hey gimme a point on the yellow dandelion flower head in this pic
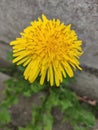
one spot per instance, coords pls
(49, 49)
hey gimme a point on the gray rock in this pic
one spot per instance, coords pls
(86, 84)
(21, 113)
(4, 49)
(83, 15)
(96, 126)
(16, 15)
(3, 78)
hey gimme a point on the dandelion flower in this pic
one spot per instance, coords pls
(49, 49)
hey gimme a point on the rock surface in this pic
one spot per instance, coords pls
(86, 84)
(14, 16)
(21, 113)
(96, 126)
(3, 78)
(4, 49)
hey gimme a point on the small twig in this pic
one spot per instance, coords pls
(86, 100)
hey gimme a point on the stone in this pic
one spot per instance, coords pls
(83, 15)
(4, 49)
(85, 84)
(96, 126)
(3, 78)
(21, 113)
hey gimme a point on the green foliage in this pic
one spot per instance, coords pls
(4, 116)
(42, 118)
(9, 56)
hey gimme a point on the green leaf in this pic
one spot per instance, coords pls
(48, 121)
(27, 93)
(21, 68)
(9, 56)
(87, 118)
(36, 87)
(4, 116)
(65, 81)
(35, 114)
(65, 104)
(26, 128)
(7, 102)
